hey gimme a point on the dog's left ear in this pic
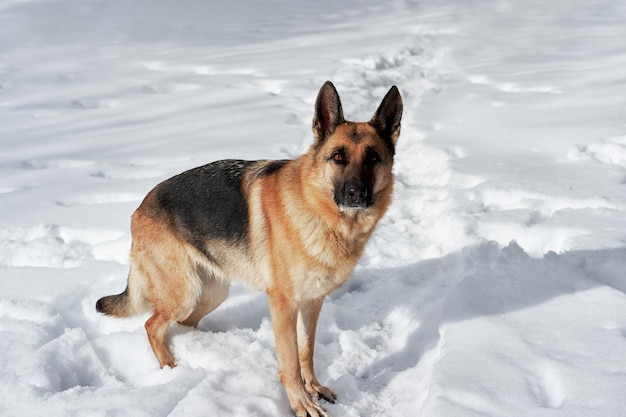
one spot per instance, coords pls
(387, 118)
(328, 112)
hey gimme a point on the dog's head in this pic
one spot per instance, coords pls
(354, 160)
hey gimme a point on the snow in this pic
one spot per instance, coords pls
(494, 286)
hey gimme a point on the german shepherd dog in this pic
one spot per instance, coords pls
(294, 228)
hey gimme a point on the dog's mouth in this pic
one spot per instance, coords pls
(351, 210)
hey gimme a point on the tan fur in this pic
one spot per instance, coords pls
(301, 247)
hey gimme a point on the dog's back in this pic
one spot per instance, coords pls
(203, 204)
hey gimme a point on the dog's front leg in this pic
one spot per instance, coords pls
(307, 324)
(284, 312)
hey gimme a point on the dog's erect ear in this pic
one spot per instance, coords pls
(328, 112)
(387, 118)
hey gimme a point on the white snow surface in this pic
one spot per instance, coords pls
(494, 286)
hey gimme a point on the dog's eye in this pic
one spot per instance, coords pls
(338, 157)
(372, 158)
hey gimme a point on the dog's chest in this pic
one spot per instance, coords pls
(316, 283)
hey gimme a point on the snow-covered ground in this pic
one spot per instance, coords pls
(495, 286)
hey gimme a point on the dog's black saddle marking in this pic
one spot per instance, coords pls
(207, 203)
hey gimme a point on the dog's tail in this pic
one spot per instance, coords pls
(129, 303)
(116, 305)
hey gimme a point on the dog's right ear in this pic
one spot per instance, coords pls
(328, 113)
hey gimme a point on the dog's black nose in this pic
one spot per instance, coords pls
(356, 194)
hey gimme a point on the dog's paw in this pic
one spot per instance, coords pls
(167, 360)
(310, 409)
(304, 406)
(320, 391)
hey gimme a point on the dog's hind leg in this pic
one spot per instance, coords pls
(156, 327)
(214, 292)
(170, 303)
(172, 285)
